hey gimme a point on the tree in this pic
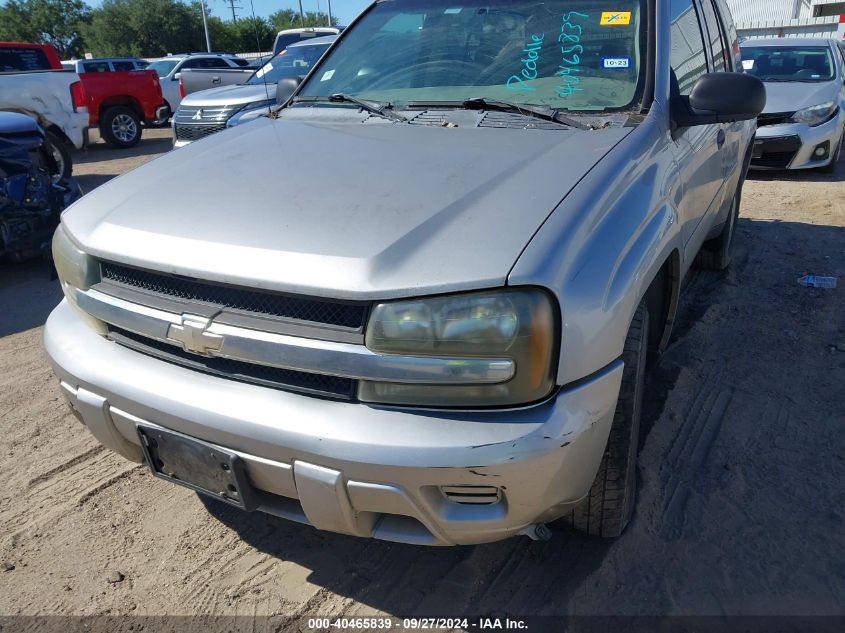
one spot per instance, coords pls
(289, 19)
(144, 28)
(56, 22)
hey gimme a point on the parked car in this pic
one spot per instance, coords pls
(33, 82)
(30, 200)
(193, 80)
(209, 111)
(169, 69)
(118, 101)
(417, 304)
(803, 125)
(105, 64)
(291, 36)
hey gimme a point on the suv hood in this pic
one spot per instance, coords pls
(231, 95)
(358, 211)
(791, 96)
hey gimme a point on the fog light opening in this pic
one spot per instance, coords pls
(822, 151)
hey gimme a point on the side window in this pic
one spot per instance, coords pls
(688, 59)
(191, 63)
(239, 62)
(95, 67)
(718, 55)
(213, 62)
(123, 66)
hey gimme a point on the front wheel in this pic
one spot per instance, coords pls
(609, 506)
(120, 127)
(61, 156)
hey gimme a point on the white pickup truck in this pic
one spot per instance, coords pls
(54, 98)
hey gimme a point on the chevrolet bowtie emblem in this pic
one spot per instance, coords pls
(192, 334)
(197, 116)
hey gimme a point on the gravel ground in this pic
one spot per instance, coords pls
(741, 471)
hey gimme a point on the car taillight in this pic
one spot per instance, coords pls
(181, 89)
(77, 96)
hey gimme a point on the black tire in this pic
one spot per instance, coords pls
(58, 150)
(120, 127)
(609, 506)
(831, 168)
(165, 122)
(716, 254)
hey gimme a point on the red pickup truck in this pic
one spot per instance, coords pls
(119, 101)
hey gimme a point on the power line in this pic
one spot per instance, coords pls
(232, 6)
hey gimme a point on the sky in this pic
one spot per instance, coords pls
(345, 10)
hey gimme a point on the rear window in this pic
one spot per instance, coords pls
(23, 59)
(96, 67)
(285, 40)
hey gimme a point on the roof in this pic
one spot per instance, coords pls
(314, 41)
(789, 41)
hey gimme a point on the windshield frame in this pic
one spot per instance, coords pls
(641, 103)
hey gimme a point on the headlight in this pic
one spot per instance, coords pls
(249, 112)
(74, 267)
(816, 115)
(518, 324)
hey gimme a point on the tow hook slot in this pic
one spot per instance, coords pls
(537, 532)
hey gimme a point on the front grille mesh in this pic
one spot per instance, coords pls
(289, 380)
(347, 315)
(775, 118)
(196, 132)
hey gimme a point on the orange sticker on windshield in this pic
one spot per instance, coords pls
(615, 18)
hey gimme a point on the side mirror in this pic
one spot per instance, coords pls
(285, 88)
(177, 77)
(720, 98)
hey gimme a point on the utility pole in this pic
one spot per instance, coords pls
(233, 7)
(205, 26)
(301, 15)
(330, 12)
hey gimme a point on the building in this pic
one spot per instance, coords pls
(789, 18)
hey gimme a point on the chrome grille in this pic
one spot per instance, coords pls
(187, 115)
(289, 380)
(347, 315)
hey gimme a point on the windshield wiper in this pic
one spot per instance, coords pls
(498, 105)
(380, 108)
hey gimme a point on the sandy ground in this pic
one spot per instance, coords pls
(741, 471)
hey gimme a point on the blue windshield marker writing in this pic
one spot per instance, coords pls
(529, 65)
(571, 51)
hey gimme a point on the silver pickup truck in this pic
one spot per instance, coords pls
(418, 303)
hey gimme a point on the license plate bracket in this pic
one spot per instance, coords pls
(197, 465)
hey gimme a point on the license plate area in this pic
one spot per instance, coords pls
(197, 465)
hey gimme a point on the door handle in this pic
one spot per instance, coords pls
(215, 80)
(721, 138)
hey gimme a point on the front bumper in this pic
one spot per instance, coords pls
(792, 145)
(348, 467)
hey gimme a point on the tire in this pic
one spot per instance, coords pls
(120, 127)
(608, 508)
(58, 149)
(716, 254)
(831, 168)
(165, 122)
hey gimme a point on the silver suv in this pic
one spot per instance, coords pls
(417, 303)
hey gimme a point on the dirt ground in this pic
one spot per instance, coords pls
(741, 499)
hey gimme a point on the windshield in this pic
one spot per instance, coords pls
(565, 54)
(789, 63)
(295, 61)
(163, 67)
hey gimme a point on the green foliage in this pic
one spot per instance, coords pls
(142, 28)
(290, 19)
(56, 22)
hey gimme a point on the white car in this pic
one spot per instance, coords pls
(168, 69)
